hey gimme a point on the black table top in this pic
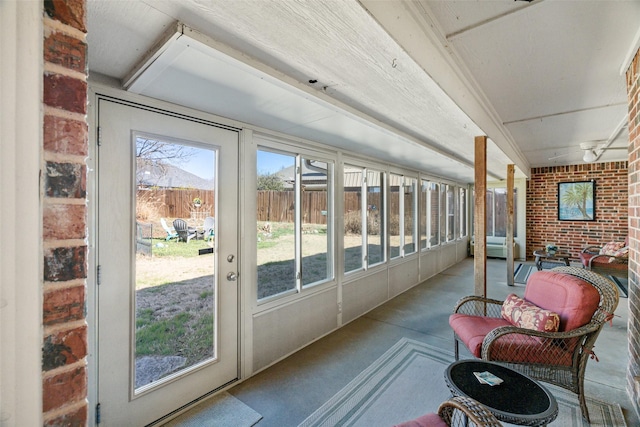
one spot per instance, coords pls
(519, 399)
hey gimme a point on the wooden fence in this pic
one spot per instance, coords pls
(273, 206)
(178, 203)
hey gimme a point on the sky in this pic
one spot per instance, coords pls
(269, 163)
(201, 162)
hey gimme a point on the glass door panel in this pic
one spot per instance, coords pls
(174, 263)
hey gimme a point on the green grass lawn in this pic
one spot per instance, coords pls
(188, 331)
(163, 248)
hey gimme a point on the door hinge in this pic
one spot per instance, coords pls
(98, 413)
(99, 275)
(99, 136)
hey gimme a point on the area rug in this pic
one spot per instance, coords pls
(221, 410)
(522, 273)
(408, 381)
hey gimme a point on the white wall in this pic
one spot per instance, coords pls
(21, 72)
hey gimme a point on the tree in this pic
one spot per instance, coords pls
(153, 156)
(270, 181)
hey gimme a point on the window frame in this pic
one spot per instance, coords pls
(299, 153)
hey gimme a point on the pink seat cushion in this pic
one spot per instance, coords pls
(603, 262)
(585, 257)
(472, 329)
(429, 420)
(572, 298)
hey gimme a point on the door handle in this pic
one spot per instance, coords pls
(232, 276)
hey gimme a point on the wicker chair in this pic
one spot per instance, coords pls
(558, 358)
(456, 412)
(607, 265)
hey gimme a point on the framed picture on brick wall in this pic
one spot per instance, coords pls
(577, 201)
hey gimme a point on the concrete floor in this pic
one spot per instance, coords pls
(288, 392)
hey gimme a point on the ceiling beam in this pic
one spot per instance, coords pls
(414, 28)
(562, 113)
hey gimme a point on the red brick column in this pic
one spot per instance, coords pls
(633, 89)
(64, 377)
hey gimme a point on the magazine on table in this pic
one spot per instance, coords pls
(487, 378)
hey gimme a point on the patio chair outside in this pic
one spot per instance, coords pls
(171, 233)
(209, 223)
(185, 233)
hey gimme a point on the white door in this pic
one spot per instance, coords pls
(167, 298)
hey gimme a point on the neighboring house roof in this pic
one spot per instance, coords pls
(314, 179)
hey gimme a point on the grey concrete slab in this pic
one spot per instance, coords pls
(286, 393)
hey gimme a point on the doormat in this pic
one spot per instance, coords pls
(522, 273)
(408, 381)
(221, 410)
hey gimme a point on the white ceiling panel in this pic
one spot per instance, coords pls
(392, 76)
(182, 75)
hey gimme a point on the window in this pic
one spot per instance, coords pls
(490, 213)
(395, 214)
(375, 217)
(410, 215)
(434, 214)
(364, 218)
(463, 212)
(403, 215)
(293, 222)
(424, 213)
(451, 212)
(353, 240)
(316, 245)
(497, 212)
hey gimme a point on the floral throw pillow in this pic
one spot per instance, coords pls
(621, 253)
(523, 314)
(611, 248)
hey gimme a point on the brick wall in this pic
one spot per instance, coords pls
(633, 89)
(64, 376)
(611, 205)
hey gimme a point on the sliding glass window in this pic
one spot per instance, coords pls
(410, 215)
(396, 184)
(490, 212)
(451, 212)
(316, 247)
(463, 211)
(497, 212)
(294, 220)
(424, 214)
(375, 218)
(352, 200)
(364, 218)
(433, 210)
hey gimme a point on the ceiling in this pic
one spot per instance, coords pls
(409, 81)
